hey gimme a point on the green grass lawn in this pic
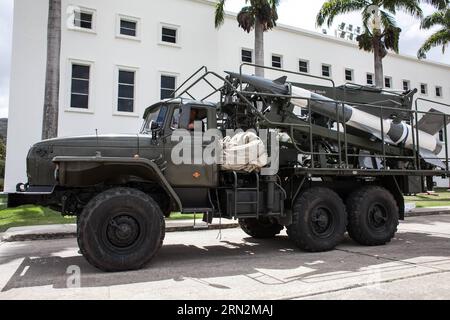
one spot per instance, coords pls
(440, 198)
(29, 216)
(179, 216)
(34, 215)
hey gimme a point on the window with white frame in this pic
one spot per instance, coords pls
(303, 66)
(83, 18)
(424, 88)
(80, 85)
(438, 90)
(169, 34)
(326, 70)
(126, 90)
(277, 61)
(387, 82)
(369, 78)
(168, 86)
(247, 55)
(406, 85)
(349, 75)
(128, 27)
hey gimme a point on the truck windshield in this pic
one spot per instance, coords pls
(157, 116)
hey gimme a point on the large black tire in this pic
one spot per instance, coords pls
(319, 220)
(262, 228)
(373, 216)
(120, 229)
(164, 204)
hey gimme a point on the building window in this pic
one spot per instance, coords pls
(168, 86)
(438, 92)
(277, 61)
(370, 79)
(169, 35)
(387, 82)
(304, 66)
(128, 27)
(79, 93)
(406, 85)
(247, 55)
(126, 92)
(83, 18)
(326, 70)
(424, 88)
(348, 75)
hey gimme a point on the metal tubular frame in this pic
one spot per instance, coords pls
(344, 167)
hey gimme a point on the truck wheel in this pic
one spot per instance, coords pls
(120, 229)
(262, 228)
(373, 216)
(319, 220)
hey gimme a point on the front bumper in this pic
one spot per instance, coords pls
(37, 195)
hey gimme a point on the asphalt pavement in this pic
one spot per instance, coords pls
(227, 264)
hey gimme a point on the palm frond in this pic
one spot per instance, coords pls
(439, 38)
(246, 18)
(387, 20)
(392, 38)
(365, 40)
(439, 4)
(219, 14)
(274, 3)
(411, 7)
(333, 8)
(266, 12)
(437, 18)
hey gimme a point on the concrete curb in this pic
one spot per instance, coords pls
(427, 213)
(183, 227)
(65, 235)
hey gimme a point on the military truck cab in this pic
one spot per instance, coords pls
(192, 178)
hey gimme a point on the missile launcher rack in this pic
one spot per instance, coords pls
(348, 151)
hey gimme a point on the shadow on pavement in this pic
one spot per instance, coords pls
(252, 258)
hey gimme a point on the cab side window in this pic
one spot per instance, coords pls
(185, 118)
(198, 114)
(175, 123)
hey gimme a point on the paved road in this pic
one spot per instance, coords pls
(196, 265)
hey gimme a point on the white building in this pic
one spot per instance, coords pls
(142, 49)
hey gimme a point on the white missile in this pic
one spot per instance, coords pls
(393, 133)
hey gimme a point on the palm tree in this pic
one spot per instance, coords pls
(380, 29)
(260, 15)
(439, 4)
(439, 38)
(51, 97)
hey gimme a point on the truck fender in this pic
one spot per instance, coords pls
(88, 171)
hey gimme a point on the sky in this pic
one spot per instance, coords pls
(298, 13)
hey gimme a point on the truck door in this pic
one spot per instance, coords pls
(191, 174)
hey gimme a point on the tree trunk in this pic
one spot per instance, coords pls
(51, 98)
(378, 63)
(377, 47)
(259, 48)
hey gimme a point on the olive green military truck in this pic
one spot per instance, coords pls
(342, 160)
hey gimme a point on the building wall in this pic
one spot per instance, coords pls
(200, 44)
(26, 99)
